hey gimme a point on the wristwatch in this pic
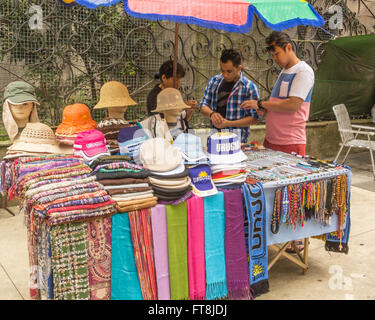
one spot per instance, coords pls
(260, 107)
(212, 113)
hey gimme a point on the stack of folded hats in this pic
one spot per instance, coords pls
(90, 145)
(126, 182)
(130, 140)
(76, 118)
(36, 139)
(191, 149)
(168, 176)
(226, 158)
(111, 127)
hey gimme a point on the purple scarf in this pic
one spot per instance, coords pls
(235, 247)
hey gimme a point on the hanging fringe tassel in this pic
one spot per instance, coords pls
(217, 290)
(240, 291)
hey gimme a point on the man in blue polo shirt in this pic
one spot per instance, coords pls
(225, 93)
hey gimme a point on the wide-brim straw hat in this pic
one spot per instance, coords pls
(114, 94)
(38, 137)
(170, 99)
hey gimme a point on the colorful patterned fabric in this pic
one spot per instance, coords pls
(177, 251)
(124, 276)
(99, 233)
(255, 209)
(160, 243)
(235, 247)
(70, 261)
(196, 258)
(141, 232)
(214, 234)
(45, 279)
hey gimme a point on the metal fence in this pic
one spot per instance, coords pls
(69, 53)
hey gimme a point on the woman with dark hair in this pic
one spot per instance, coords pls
(165, 75)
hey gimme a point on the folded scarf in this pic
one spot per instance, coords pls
(108, 159)
(62, 184)
(70, 261)
(97, 202)
(136, 201)
(196, 258)
(177, 251)
(134, 207)
(66, 194)
(119, 175)
(214, 233)
(140, 227)
(79, 215)
(235, 247)
(160, 242)
(255, 205)
(80, 207)
(124, 276)
(124, 181)
(99, 253)
(118, 165)
(113, 192)
(131, 196)
(44, 275)
(92, 195)
(126, 186)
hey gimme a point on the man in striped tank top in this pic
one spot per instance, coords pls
(288, 108)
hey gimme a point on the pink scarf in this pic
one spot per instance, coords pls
(196, 253)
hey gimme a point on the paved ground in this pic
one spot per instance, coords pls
(331, 276)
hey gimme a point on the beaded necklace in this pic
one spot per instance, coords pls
(277, 207)
(341, 204)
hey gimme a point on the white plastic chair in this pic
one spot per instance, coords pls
(349, 133)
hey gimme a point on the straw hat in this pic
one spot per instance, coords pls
(114, 94)
(76, 118)
(170, 99)
(38, 137)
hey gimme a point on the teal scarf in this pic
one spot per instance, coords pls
(124, 276)
(214, 234)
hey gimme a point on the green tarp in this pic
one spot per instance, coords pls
(345, 75)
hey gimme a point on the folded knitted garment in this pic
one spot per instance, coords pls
(136, 201)
(108, 159)
(176, 191)
(123, 181)
(141, 174)
(113, 192)
(144, 205)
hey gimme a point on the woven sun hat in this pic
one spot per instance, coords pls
(114, 94)
(76, 118)
(225, 148)
(170, 99)
(159, 155)
(38, 137)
